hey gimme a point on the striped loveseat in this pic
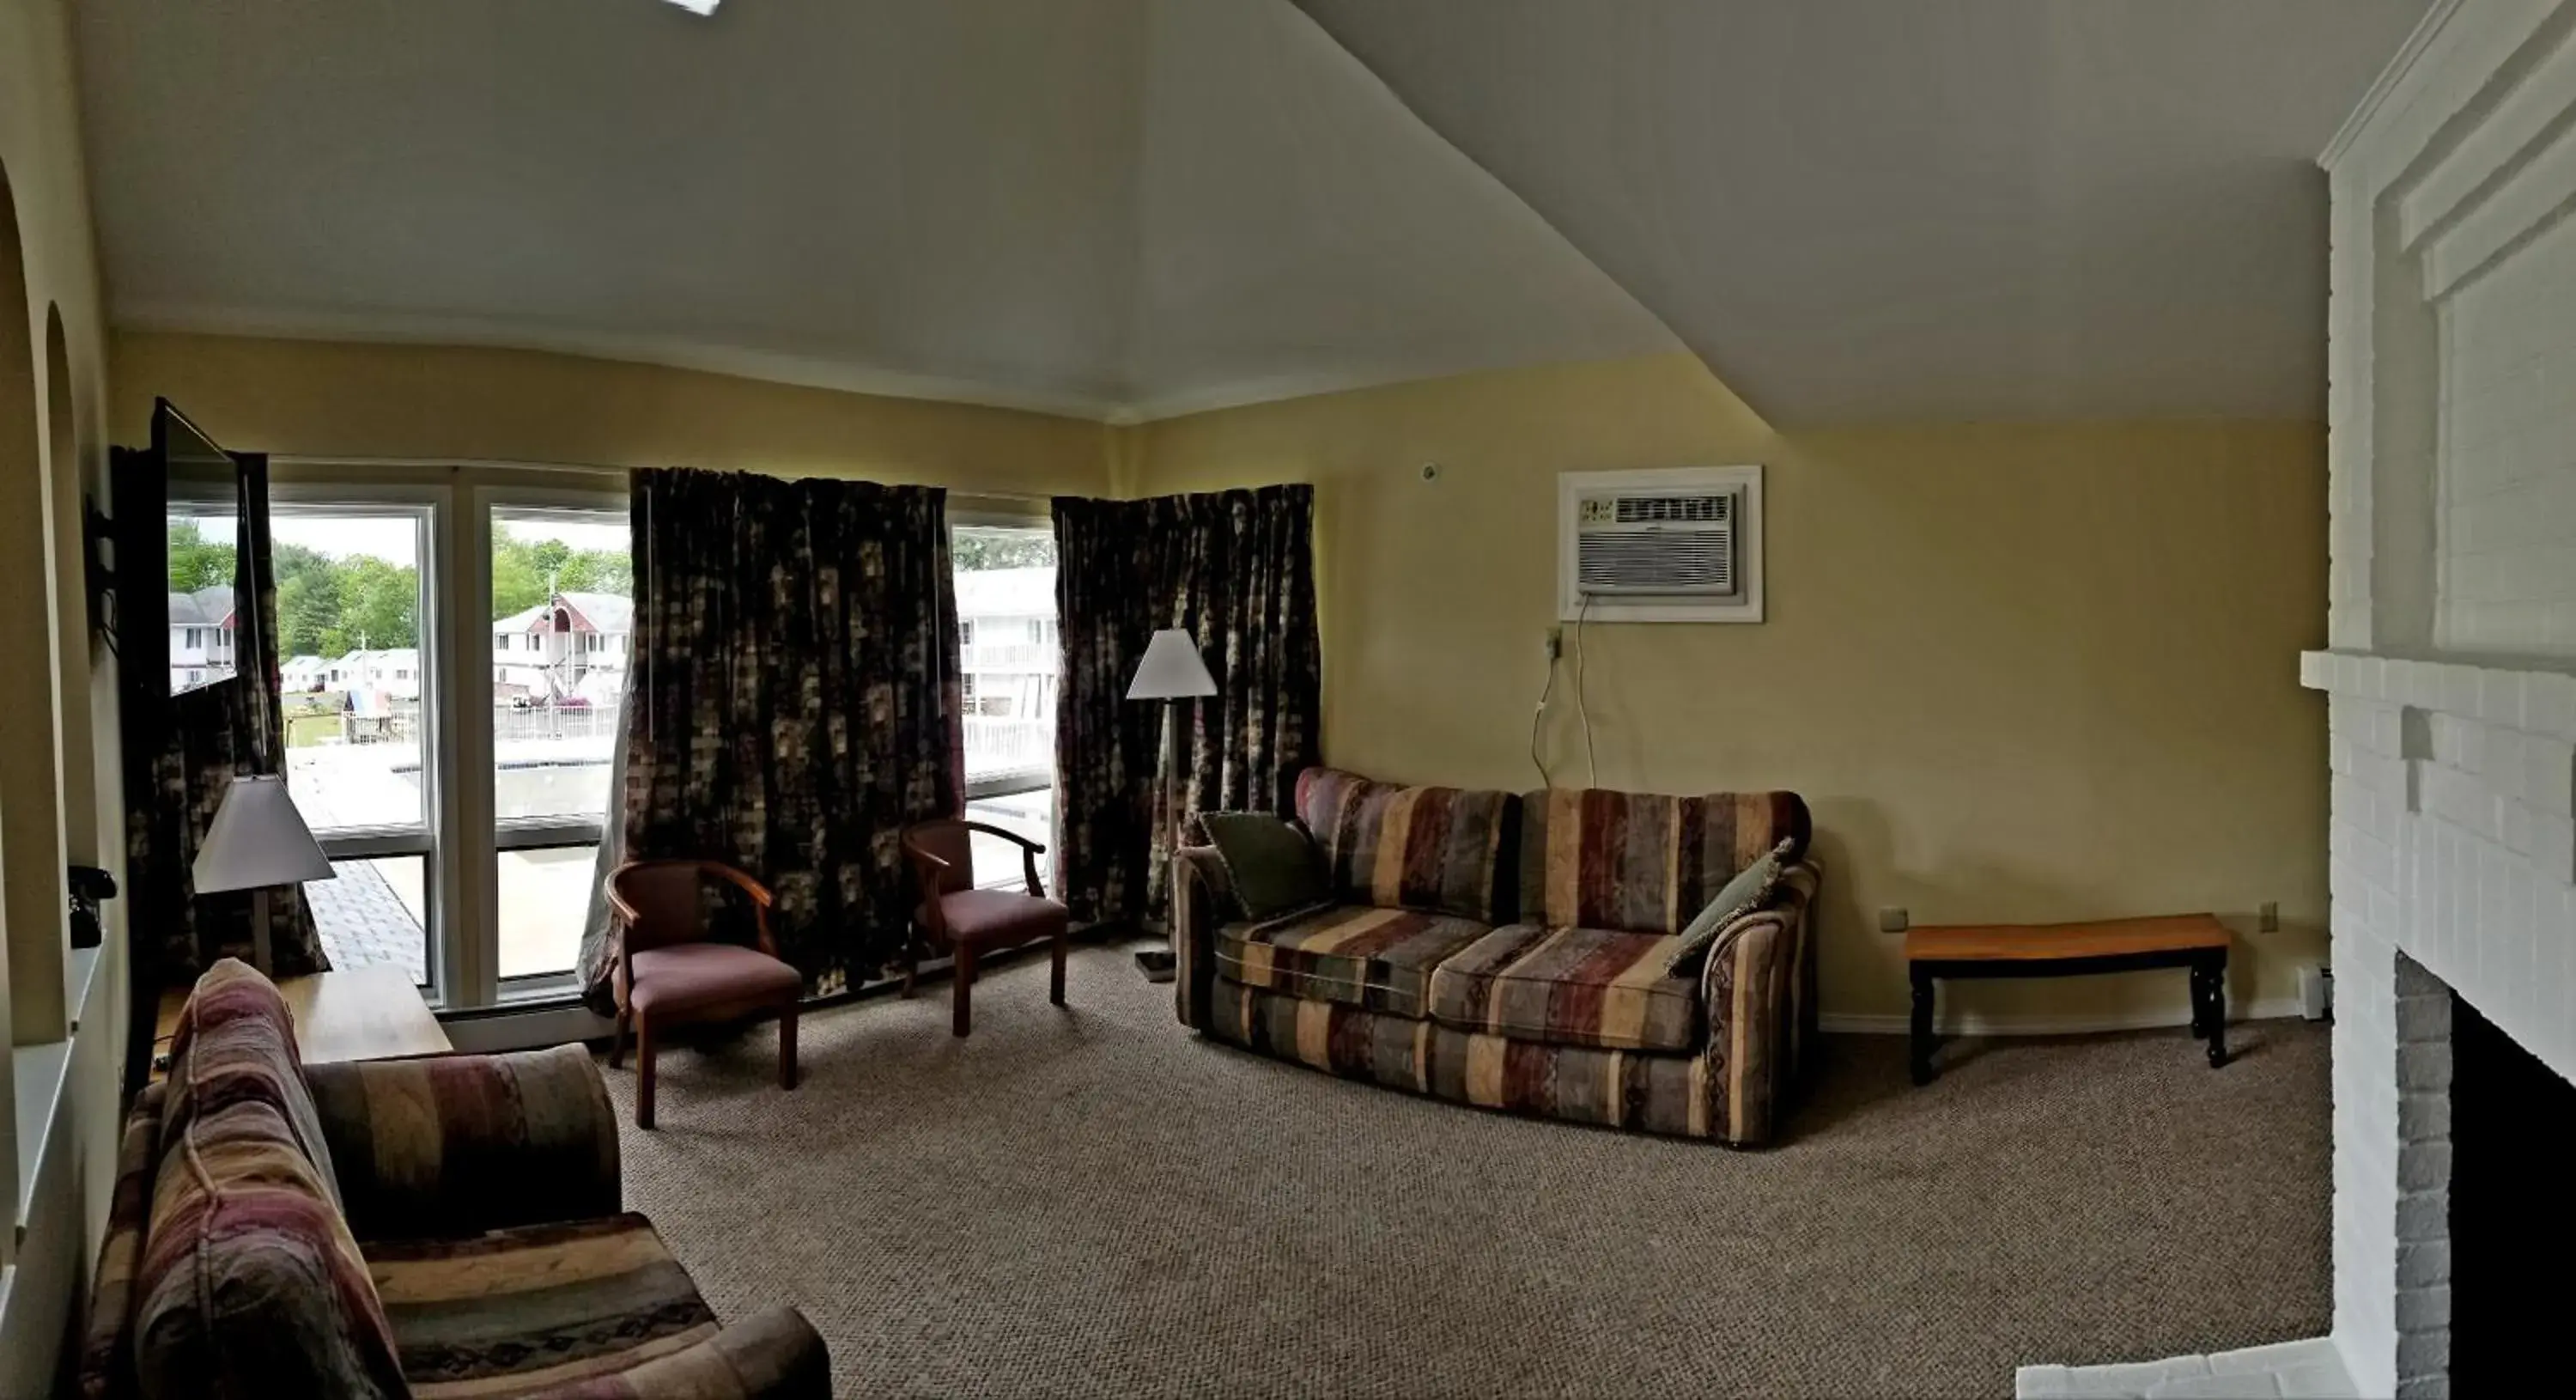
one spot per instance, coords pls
(1519, 952)
(444, 1226)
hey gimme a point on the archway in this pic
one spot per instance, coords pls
(32, 889)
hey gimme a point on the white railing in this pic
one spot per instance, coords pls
(996, 745)
(588, 722)
(1022, 658)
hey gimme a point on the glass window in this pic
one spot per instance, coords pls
(562, 581)
(1006, 595)
(375, 912)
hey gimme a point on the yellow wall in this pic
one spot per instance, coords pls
(2019, 672)
(322, 398)
(66, 789)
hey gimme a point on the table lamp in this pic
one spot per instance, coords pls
(1171, 671)
(258, 842)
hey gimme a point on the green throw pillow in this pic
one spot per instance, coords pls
(1271, 862)
(1751, 889)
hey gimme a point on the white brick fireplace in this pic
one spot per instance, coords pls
(2451, 661)
(2452, 632)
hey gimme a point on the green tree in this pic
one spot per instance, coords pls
(517, 583)
(379, 602)
(195, 561)
(975, 550)
(308, 614)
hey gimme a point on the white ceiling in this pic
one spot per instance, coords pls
(1852, 209)
(1926, 209)
(1111, 208)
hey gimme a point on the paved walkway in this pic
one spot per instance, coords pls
(363, 922)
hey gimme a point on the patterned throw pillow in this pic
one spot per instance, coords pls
(1751, 889)
(1271, 862)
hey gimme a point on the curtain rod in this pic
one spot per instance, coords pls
(341, 459)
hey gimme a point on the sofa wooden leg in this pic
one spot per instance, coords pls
(643, 1072)
(787, 1047)
(962, 1017)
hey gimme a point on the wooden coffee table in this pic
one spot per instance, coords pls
(2195, 942)
(365, 1013)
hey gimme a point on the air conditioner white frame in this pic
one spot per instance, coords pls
(1571, 487)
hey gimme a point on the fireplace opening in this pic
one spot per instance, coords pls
(2512, 1218)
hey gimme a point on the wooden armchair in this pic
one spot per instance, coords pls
(669, 971)
(966, 922)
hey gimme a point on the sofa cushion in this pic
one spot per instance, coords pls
(521, 1310)
(1754, 887)
(1272, 863)
(1570, 986)
(249, 1283)
(1643, 862)
(1355, 953)
(1436, 850)
(235, 1043)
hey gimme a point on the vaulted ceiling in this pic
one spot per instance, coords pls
(1129, 208)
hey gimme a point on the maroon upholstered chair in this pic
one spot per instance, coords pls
(966, 922)
(669, 971)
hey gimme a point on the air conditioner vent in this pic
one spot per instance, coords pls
(1661, 546)
(1633, 510)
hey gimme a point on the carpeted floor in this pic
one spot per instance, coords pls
(1093, 1202)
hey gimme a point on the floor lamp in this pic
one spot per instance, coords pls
(1171, 672)
(258, 842)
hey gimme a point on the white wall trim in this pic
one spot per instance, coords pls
(2387, 81)
(1849, 1023)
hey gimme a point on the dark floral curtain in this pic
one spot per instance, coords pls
(1234, 568)
(183, 750)
(795, 698)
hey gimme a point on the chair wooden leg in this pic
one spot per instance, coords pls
(787, 1046)
(643, 1072)
(962, 1016)
(1055, 955)
(911, 966)
(617, 1047)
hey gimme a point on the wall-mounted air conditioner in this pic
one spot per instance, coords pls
(1660, 546)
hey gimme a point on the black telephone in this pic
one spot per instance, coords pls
(89, 885)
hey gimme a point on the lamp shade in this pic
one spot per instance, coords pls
(1171, 669)
(258, 840)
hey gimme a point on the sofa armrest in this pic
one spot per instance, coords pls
(1204, 892)
(774, 1354)
(449, 1145)
(1759, 990)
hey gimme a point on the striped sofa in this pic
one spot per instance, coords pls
(1519, 952)
(444, 1226)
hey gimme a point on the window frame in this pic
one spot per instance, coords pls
(442, 935)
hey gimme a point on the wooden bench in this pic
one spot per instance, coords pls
(2197, 942)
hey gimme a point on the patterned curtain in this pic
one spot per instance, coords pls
(182, 751)
(796, 697)
(1234, 568)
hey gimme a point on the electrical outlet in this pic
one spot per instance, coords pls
(1555, 643)
(1894, 921)
(2268, 918)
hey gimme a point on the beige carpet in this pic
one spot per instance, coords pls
(1093, 1202)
